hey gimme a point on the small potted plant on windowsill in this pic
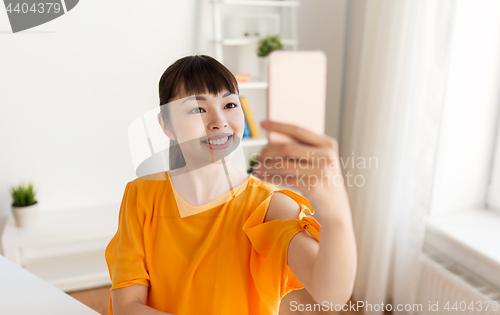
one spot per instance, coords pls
(25, 205)
(265, 46)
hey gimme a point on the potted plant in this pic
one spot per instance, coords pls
(265, 46)
(25, 205)
(252, 162)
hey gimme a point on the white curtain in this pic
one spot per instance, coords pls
(395, 79)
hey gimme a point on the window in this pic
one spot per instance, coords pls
(464, 218)
(493, 197)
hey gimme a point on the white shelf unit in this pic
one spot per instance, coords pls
(264, 3)
(217, 16)
(249, 41)
(239, 53)
(253, 142)
(248, 143)
(65, 247)
(252, 85)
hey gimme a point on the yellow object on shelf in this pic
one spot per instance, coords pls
(252, 125)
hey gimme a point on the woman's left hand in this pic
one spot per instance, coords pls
(312, 165)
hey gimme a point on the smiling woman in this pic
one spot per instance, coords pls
(214, 121)
(191, 79)
(207, 238)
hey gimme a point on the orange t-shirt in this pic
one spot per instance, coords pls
(223, 260)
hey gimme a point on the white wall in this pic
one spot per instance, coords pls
(70, 88)
(322, 25)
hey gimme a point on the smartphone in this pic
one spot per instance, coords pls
(297, 91)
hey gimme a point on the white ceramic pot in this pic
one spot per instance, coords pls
(25, 216)
(263, 66)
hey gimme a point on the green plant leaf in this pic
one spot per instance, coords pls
(268, 44)
(23, 195)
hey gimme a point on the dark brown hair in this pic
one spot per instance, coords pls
(194, 75)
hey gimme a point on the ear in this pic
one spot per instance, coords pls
(165, 126)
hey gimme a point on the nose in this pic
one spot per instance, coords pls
(217, 121)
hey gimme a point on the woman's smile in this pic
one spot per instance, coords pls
(217, 142)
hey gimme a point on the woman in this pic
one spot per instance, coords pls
(206, 238)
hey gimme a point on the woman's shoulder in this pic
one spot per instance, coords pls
(259, 183)
(150, 182)
(260, 189)
(145, 190)
(282, 203)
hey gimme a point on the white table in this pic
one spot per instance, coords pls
(21, 293)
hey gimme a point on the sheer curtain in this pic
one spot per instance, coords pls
(395, 79)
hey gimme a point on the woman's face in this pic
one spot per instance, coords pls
(198, 120)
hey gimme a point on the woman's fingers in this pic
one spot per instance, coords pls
(298, 152)
(304, 178)
(311, 163)
(302, 135)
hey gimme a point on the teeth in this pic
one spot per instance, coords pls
(218, 141)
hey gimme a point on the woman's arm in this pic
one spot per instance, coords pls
(131, 300)
(326, 269)
(333, 269)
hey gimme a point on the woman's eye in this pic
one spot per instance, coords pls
(196, 110)
(233, 105)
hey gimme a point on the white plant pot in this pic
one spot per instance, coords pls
(25, 216)
(263, 66)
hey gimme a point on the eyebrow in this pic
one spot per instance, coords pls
(202, 98)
